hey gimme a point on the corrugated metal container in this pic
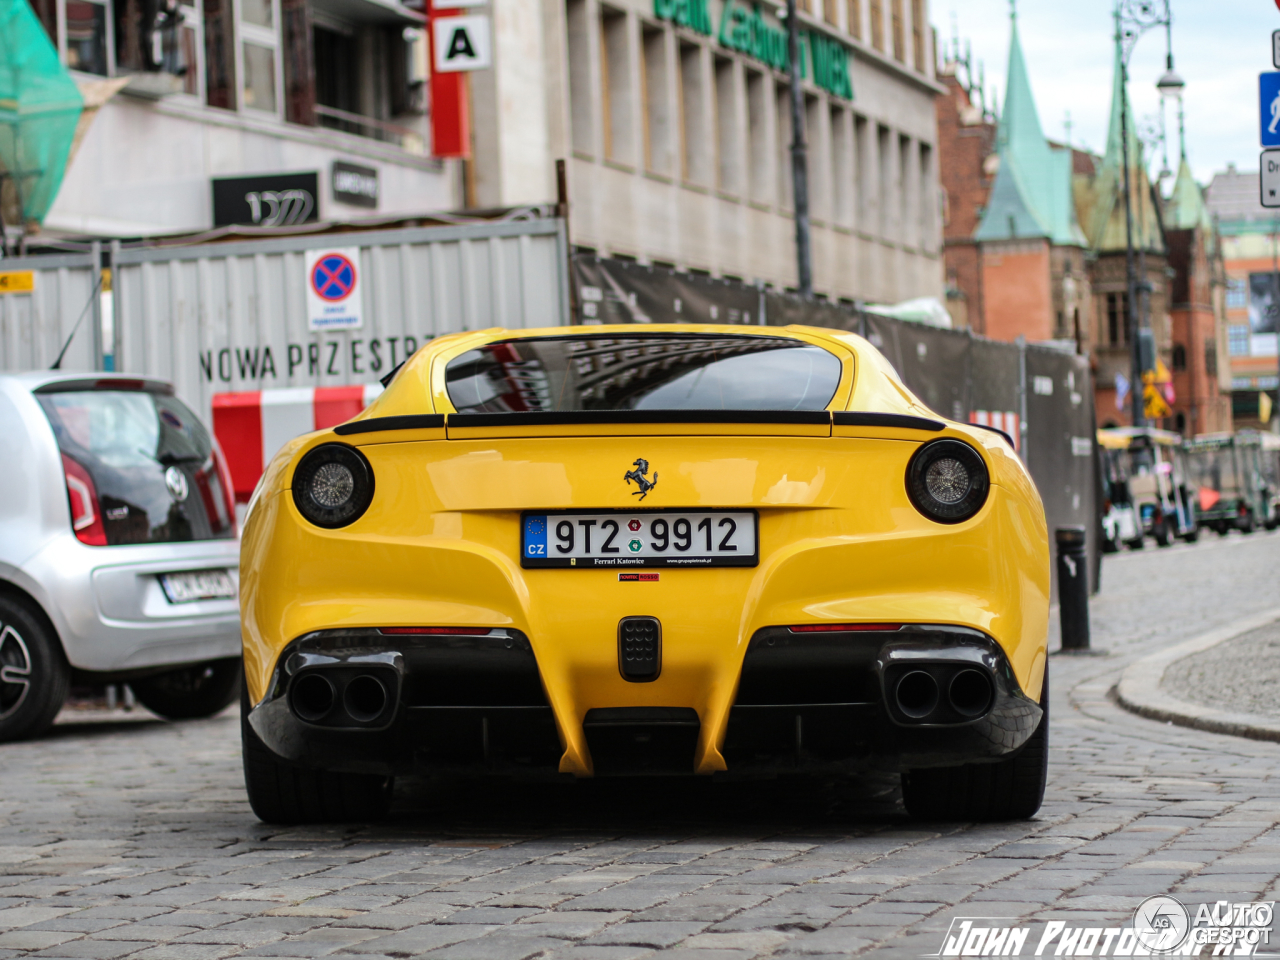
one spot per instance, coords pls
(235, 316)
(35, 325)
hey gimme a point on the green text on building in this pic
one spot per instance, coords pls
(748, 32)
(693, 14)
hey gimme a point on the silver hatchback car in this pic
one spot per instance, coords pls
(118, 549)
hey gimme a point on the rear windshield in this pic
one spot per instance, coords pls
(151, 461)
(643, 372)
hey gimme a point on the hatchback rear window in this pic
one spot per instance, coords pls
(642, 372)
(141, 464)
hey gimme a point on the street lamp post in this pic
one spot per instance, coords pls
(799, 158)
(1133, 19)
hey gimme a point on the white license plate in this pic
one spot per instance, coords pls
(198, 585)
(666, 538)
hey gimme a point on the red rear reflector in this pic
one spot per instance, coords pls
(844, 627)
(435, 631)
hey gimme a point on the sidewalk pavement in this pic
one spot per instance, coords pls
(1224, 681)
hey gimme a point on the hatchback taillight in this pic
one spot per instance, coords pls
(86, 514)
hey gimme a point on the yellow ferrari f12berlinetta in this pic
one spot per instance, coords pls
(645, 550)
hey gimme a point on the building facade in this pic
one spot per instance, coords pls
(1251, 256)
(179, 95)
(1036, 248)
(674, 116)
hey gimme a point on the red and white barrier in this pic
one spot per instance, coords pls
(251, 426)
(1008, 422)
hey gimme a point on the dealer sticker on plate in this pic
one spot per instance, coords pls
(194, 585)
(667, 538)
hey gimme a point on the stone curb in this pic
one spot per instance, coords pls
(1139, 688)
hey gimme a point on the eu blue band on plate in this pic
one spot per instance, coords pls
(535, 536)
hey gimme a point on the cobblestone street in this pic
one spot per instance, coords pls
(134, 838)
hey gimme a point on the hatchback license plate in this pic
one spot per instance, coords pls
(198, 585)
(667, 538)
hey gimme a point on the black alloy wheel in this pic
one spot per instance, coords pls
(200, 690)
(1009, 789)
(34, 675)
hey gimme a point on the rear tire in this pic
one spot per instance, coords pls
(1163, 533)
(200, 690)
(34, 675)
(1193, 536)
(1247, 524)
(282, 793)
(1009, 789)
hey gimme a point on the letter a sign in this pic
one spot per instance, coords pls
(462, 43)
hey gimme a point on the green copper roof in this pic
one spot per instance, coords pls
(1104, 223)
(1186, 209)
(1032, 193)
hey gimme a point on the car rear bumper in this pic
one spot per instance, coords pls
(112, 614)
(805, 702)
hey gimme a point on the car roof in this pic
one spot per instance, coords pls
(93, 379)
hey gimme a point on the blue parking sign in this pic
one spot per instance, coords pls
(1269, 108)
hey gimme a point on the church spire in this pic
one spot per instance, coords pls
(1031, 196)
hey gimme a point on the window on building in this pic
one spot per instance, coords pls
(258, 55)
(884, 164)
(905, 192)
(615, 85)
(841, 174)
(695, 119)
(782, 145)
(862, 185)
(925, 196)
(580, 93)
(877, 24)
(87, 41)
(760, 146)
(1237, 293)
(1117, 312)
(1210, 357)
(899, 32)
(853, 18)
(831, 12)
(656, 115)
(819, 159)
(728, 149)
(917, 34)
(1179, 357)
(219, 54)
(1238, 340)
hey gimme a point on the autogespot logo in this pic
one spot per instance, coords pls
(1161, 923)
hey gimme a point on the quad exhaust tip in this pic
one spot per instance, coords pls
(362, 699)
(964, 695)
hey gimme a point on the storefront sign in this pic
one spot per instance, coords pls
(693, 14)
(355, 185)
(747, 31)
(267, 201)
(462, 43)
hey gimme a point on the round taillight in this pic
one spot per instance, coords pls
(333, 485)
(947, 481)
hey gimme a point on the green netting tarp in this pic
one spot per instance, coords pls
(39, 109)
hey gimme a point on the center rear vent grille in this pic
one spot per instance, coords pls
(640, 648)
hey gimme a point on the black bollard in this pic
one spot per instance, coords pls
(1073, 587)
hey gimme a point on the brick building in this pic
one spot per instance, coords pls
(1035, 246)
